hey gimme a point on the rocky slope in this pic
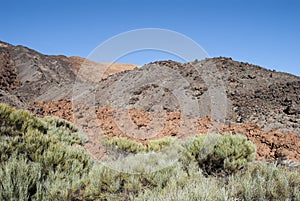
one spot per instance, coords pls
(253, 94)
(42, 77)
(218, 94)
(8, 78)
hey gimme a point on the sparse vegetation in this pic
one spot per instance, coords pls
(38, 162)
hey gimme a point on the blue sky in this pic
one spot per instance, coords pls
(262, 32)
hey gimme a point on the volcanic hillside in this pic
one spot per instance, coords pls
(253, 94)
(28, 75)
(217, 94)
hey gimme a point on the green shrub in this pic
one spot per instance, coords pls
(258, 181)
(14, 121)
(261, 181)
(105, 183)
(63, 130)
(160, 144)
(130, 146)
(217, 153)
(121, 143)
(38, 161)
(19, 179)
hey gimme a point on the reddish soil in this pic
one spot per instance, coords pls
(271, 145)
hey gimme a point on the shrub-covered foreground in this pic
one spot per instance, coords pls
(37, 159)
(38, 162)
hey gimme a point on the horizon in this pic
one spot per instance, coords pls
(261, 33)
(177, 59)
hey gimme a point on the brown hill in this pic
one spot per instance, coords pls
(103, 70)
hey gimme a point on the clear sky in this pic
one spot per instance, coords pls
(262, 32)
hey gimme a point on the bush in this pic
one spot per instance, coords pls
(108, 184)
(123, 144)
(215, 154)
(130, 146)
(258, 181)
(160, 144)
(220, 153)
(19, 179)
(262, 181)
(38, 160)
